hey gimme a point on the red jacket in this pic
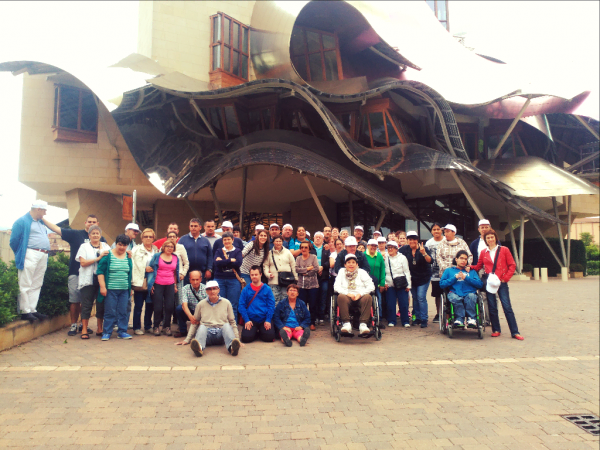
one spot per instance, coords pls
(506, 264)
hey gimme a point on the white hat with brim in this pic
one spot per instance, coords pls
(40, 204)
(259, 227)
(350, 240)
(372, 242)
(484, 222)
(450, 227)
(377, 232)
(287, 225)
(393, 244)
(493, 283)
(211, 284)
(381, 239)
(412, 234)
(350, 256)
(132, 226)
(274, 225)
(359, 227)
(228, 224)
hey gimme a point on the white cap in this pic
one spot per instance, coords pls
(484, 222)
(227, 223)
(381, 239)
(450, 227)
(41, 204)
(287, 225)
(132, 226)
(350, 256)
(493, 283)
(392, 243)
(350, 240)
(372, 242)
(377, 232)
(211, 284)
(259, 227)
(274, 225)
(307, 233)
(359, 227)
(412, 234)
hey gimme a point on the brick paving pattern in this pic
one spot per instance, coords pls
(414, 389)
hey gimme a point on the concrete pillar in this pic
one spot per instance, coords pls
(536, 273)
(544, 274)
(564, 273)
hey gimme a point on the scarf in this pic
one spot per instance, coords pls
(351, 277)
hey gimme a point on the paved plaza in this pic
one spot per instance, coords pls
(413, 389)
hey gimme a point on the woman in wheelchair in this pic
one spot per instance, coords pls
(463, 287)
(354, 285)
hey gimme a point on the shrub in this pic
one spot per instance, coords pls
(592, 252)
(54, 298)
(576, 268)
(586, 238)
(593, 268)
(527, 268)
(537, 254)
(9, 290)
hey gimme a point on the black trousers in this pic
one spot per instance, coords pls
(258, 331)
(163, 297)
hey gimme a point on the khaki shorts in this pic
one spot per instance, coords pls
(74, 294)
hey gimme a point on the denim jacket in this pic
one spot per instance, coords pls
(152, 275)
(282, 312)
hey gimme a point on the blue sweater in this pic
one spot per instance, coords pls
(463, 287)
(283, 310)
(199, 252)
(224, 268)
(218, 245)
(261, 309)
(19, 238)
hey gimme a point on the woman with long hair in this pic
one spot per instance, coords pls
(255, 253)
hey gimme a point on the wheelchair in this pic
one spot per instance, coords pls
(336, 323)
(447, 316)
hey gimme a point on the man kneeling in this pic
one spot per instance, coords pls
(256, 306)
(292, 318)
(215, 324)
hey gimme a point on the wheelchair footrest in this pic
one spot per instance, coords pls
(342, 333)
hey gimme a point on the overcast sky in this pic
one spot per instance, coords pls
(550, 38)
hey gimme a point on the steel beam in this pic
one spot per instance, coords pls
(582, 162)
(513, 242)
(546, 242)
(512, 126)
(216, 200)
(522, 242)
(317, 201)
(560, 238)
(203, 117)
(243, 205)
(380, 221)
(587, 126)
(193, 210)
(466, 194)
(351, 214)
(569, 232)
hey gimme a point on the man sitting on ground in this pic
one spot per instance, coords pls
(190, 296)
(214, 324)
(256, 306)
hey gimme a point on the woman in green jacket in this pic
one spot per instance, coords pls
(377, 272)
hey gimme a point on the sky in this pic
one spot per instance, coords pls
(551, 39)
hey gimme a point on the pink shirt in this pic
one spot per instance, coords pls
(166, 271)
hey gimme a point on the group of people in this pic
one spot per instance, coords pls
(275, 286)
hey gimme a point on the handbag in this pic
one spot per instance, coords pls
(143, 287)
(240, 279)
(399, 282)
(241, 321)
(284, 279)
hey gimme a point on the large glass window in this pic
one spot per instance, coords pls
(315, 54)
(440, 9)
(381, 128)
(75, 114)
(229, 46)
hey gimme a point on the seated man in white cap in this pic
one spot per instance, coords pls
(215, 324)
(448, 248)
(350, 249)
(354, 285)
(218, 245)
(359, 232)
(478, 245)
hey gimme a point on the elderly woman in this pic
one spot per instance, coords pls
(88, 255)
(307, 268)
(228, 260)
(280, 259)
(354, 285)
(396, 267)
(505, 268)
(141, 256)
(162, 285)
(291, 318)
(114, 277)
(343, 235)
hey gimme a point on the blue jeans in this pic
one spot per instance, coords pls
(462, 305)
(323, 299)
(215, 336)
(139, 298)
(231, 290)
(115, 310)
(506, 306)
(182, 317)
(399, 297)
(419, 296)
(311, 298)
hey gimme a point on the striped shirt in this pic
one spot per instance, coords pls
(251, 258)
(118, 274)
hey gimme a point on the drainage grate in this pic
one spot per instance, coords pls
(586, 422)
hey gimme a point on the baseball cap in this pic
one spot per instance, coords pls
(393, 244)
(211, 284)
(132, 226)
(412, 234)
(381, 239)
(227, 223)
(372, 242)
(450, 227)
(493, 283)
(484, 222)
(359, 227)
(259, 227)
(274, 225)
(350, 240)
(377, 232)
(350, 256)
(41, 204)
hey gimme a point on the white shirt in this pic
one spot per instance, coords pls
(481, 247)
(399, 267)
(86, 251)
(493, 252)
(364, 283)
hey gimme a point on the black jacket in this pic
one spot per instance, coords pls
(360, 258)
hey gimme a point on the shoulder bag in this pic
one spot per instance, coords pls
(485, 276)
(284, 279)
(399, 282)
(240, 279)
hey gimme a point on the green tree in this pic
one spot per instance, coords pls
(586, 238)
(9, 290)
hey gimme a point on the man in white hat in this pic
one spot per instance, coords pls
(213, 324)
(218, 245)
(478, 245)
(359, 232)
(286, 233)
(132, 230)
(29, 241)
(274, 232)
(350, 249)
(448, 248)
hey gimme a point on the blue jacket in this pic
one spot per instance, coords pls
(224, 268)
(199, 252)
(261, 309)
(461, 288)
(283, 310)
(152, 275)
(19, 238)
(218, 245)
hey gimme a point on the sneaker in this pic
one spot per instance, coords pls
(195, 346)
(304, 337)
(168, 331)
(363, 329)
(80, 328)
(157, 332)
(105, 337)
(416, 322)
(235, 347)
(471, 323)
(391, 325)
(39, 316)
(346, 328)
(436, 319)
(179, 334)
(123, 335)
(458, 323)
(423, 324)
(284, 337)
(72, 330)
(138, 332)
(407, 325)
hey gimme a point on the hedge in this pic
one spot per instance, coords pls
(537, 254)
(9, 289)
(593, 268)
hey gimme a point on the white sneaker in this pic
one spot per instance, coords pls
(472, 323)
(458, 323)
(363, 328)
(391, 325)
(139, 332)
(346, 328)
(407, 325)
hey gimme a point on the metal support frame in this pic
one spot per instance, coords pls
(380, 221)
(466, 194)
(587, 126)
(193, 209)
(569, 232)
(351, 213)
(317, 201)
(510, 129)
(522, 241)
(546, 242)
(513, 242)
(582, 162)
(216, 200)
(134, 209)
(560, 236)
(203, 117)
(243, 205)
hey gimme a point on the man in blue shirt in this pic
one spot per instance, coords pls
(29, 241)
(199, 251)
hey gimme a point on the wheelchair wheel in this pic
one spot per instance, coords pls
(485, 314)
(377, 334)
(333, 314)
(375, 309)
(450, 331)
(337, 336)
(443, 313)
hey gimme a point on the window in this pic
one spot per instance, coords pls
(440, 9)
(381, 126)
(230, 41)
(75, 115)
(316, 55)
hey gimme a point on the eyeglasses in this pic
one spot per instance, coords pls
(147, 237)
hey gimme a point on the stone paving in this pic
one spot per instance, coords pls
(414, 389)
